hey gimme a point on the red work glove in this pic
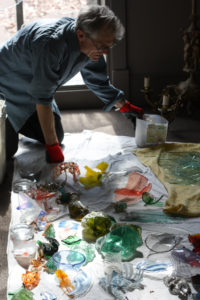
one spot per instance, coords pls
(54, 153)
(132, 109)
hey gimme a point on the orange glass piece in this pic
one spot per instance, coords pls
(132, 192)
(31, 279)
(64, 281)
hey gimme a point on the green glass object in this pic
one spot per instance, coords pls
(22, 294)
(87, 249)
(67, 197)
(120, 207)
(181, 167)
(49, 232)
(46, 250)
(50, 266)
(71, 240)
(123, 238)
(149, 200)
(95, 224)
(152, 216)
(77, 210)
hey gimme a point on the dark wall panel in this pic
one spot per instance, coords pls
(154, 42)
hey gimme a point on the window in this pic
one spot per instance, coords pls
(16, 13)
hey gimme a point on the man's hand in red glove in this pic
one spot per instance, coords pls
(54, 153)
(131, 111)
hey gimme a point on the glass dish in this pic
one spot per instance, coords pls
(68, 259)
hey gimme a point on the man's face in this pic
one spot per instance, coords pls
(94, 48)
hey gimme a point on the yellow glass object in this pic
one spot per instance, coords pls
(93, 178)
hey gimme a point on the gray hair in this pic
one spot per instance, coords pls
(93, 18)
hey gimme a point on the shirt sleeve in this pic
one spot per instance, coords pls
(96, 79)
(45, 70)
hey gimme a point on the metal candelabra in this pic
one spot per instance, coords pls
(180, 97)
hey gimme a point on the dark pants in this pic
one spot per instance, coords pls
(31, 129)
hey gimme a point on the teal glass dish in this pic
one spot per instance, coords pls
(68, 259)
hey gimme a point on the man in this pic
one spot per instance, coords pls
(44, 55)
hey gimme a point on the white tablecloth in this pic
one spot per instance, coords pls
(90, 148)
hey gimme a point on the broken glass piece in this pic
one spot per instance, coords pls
(95, 224)
(123, 238)
(77, 210)
(72, 240)
(162, 242)
(93, 178)
(48, 249)
(132, 192)
(181, 167)
(22, 294)
(68, 259)
(30, 279)
(63, 167)
(87, 249)
(152, 217)
(49, 231)
(120, 207)
(64, 281)
(117, 284)
(50, 266)
(66, 197)
(195, 241)
(47, 296)
(22, 185)
(149, 200)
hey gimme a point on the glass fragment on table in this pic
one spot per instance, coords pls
(30, 279)
(95, 224)
(94, 178)
(152, 216)
(132, 192)
(123, 238)
(181, 167)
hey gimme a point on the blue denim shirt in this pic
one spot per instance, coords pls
(41, 57)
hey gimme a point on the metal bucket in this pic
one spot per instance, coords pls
(2, 137)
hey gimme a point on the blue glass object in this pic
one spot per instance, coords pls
(68, 259)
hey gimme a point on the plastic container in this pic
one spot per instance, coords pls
(151, 130)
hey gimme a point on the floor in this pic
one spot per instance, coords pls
(180, 130)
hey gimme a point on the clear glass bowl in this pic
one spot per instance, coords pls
(66, 259)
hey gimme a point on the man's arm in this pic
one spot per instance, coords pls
(47, 123)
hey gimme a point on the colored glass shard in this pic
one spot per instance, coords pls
(152, 217)
(93, 178)
(95, 224)
(120, 207)
(132, 192)
(47, 296)
(31, 279)
(50, 266)
(49, 231)
(195, 241)
(22, 294)
(72, 240)
(87, 249)
(64, 281)
(149, 200)
(65, 198)
(46, 250)
(77, 210)
(181, 167)
(123, 238)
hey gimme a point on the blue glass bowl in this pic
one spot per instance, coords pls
(66, 259)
